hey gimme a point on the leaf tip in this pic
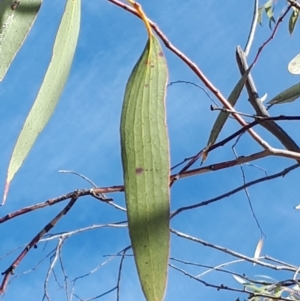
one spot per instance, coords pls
(258, 249)
(5, 192)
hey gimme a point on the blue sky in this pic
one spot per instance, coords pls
(83, 136)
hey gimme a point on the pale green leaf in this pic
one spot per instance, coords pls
(145, 158)
(222, 117)
(259, 15)
(293, 20)
(258, 249)
(268, 4)
(240, 280)
(257, 289)
(51, 88)
(287, 95)
(16, 19)
(269, 9)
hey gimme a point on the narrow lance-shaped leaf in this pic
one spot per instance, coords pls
(51, 88)
(16, 19)
(145, 158)
(232, 99)
(293, 20)
(269, 9)
(287, 95)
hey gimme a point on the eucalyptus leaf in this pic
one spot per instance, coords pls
(51, 88)
(287, 95)
(145, 158)
(223, 116)
(293, 20)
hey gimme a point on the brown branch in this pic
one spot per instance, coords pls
(221, 165)
(198, 72)
(50, 202)
(183, 172)
(10, 270)
(260, 49)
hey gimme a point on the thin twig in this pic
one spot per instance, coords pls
(120, 271)
(260, 49)
(193, 84)
(10, 270)
(247, 194)
(55, 258)
(218, 287)
(122, 224)
(79, 175)
(227, 194)
(101, 195)
(231, 252)
(213, 108)
(102, 295)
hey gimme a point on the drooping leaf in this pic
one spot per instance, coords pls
(232, 99)
(51, 88)
(259, 15)
(271, 21)
(268, 7)
(293, 20)
(258, 249)
(294, 65)
(270, 12)
(240, 280)
(16, 20)
(268, 4)
(145, 158)
(287, 95)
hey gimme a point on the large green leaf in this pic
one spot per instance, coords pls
(16, 19)
(232, 99)
(51, 88)
(287, 95)
(145, 158)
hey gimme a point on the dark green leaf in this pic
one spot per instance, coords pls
(293, 20)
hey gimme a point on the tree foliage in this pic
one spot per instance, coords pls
(145, 154)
